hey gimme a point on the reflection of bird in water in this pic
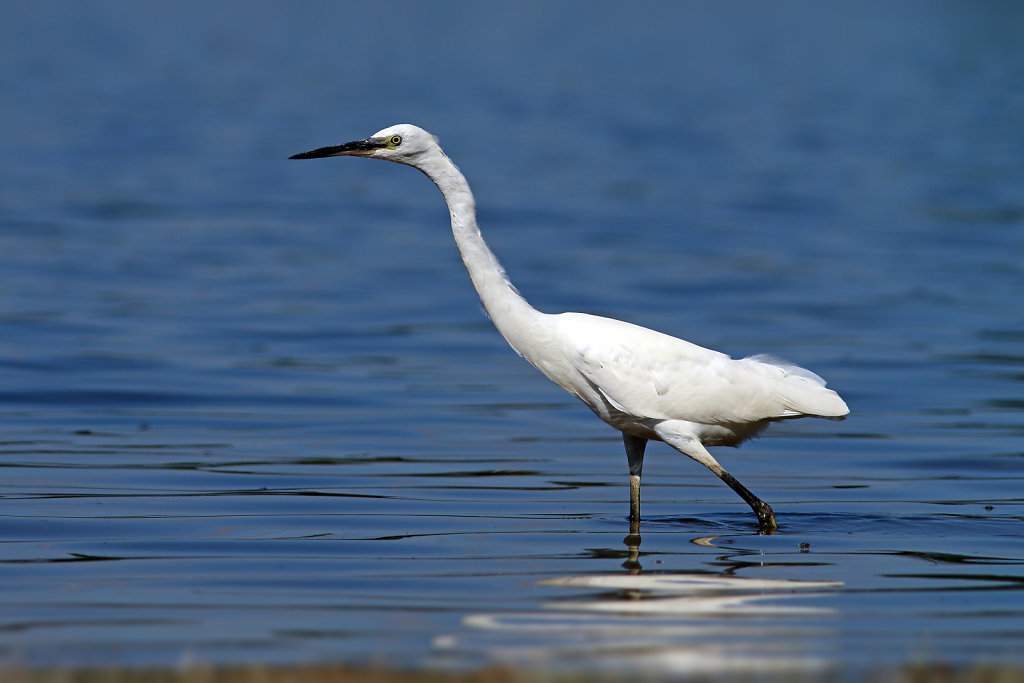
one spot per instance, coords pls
(646, 384)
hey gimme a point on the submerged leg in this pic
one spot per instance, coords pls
(635, 454)
(690, 446)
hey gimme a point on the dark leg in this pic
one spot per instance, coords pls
(635, 454)
(688, 445)
(765, 516)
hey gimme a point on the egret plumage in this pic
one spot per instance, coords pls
(648, 385)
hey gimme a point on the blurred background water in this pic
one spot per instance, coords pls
(250, 410)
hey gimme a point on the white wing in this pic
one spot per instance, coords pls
(651, 375)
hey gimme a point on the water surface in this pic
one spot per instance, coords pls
(250, 410)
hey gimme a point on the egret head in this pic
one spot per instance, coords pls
(403, 143)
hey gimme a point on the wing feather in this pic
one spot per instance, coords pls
(650, 375)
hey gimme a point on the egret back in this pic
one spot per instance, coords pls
(652, 376)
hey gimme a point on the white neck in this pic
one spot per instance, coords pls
(507, 309)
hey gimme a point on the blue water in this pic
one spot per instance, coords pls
(250, 410)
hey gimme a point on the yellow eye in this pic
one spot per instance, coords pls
(395, 140)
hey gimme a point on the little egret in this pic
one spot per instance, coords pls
(646, 384)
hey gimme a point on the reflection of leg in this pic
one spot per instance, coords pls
(690, 446)
(632, 542)
(635, 455)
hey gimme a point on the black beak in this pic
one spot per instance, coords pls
(356, 148)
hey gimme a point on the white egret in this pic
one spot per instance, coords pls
(646, 384)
